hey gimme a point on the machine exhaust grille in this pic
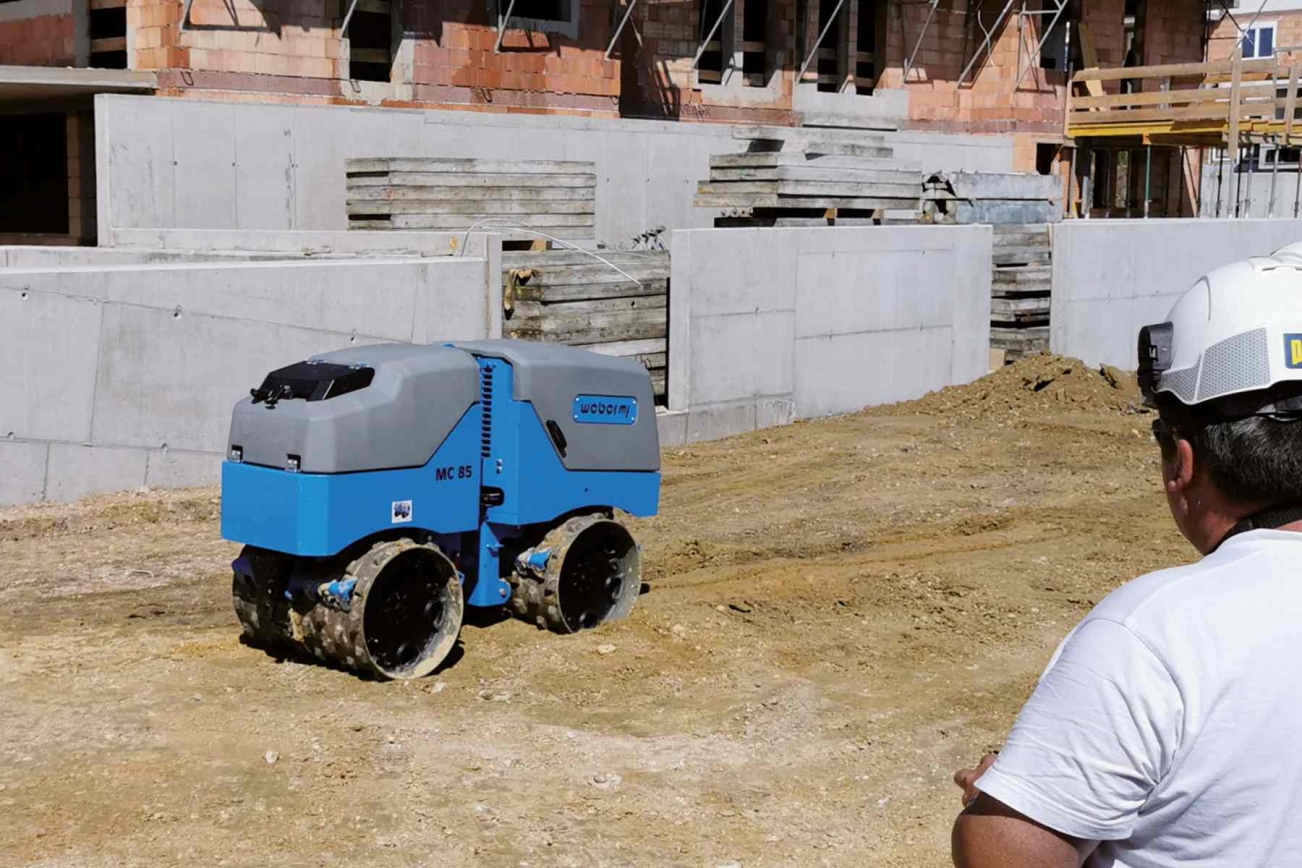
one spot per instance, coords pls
(486, 406)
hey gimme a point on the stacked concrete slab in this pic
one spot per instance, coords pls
(610, 302)
(809, 177)
(994, 198)
(555, 197)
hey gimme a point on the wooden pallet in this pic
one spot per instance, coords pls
(565, 296)
(538, 196)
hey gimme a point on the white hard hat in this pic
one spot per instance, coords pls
(1238, 330)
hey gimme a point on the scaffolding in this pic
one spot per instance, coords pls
(1229, 105)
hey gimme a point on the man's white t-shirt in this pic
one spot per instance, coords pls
(1168, 725)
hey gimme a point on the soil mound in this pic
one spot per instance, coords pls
(1039, 382)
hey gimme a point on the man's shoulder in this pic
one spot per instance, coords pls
(1163, 595)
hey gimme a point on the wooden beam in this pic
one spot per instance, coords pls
(107, 4)
(1177, 70)
(1236, 69)
(115, 43)
(1174, 97)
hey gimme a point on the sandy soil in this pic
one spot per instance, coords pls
(840, 614)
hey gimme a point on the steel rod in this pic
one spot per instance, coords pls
(501, 27)
(1040, 47)
(700, 52)
(813, 52)
(1297, 190)
(908, 64)
(1274, 175)
(620, 29)
(987, 45)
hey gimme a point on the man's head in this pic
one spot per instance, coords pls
(1225, 374)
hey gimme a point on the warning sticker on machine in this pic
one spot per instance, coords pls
(401, 512)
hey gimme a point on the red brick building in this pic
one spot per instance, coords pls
(919, 64)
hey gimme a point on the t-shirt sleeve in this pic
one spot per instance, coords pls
(1095, 738)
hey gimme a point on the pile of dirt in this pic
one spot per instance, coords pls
(1034, 383)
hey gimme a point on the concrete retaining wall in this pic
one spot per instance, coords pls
(167, 163)
(770, 325)
(124, 375)
(1110, 277)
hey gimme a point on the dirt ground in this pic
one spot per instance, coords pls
(841, 613)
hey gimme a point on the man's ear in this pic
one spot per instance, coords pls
(1182, 475)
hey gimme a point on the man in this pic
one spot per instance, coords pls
(1167, 729)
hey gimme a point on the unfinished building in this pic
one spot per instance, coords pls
(980, 68)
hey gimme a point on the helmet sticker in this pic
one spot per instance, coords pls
(1293, 351)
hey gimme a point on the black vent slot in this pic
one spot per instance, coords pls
(311, 381)
(486, 405)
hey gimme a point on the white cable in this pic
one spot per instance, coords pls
(504, 223)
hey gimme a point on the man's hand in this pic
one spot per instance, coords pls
(967, 778)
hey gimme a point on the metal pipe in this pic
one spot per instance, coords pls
(1297, 190)
(1071, 184)
(813, 52)
(1086, 188)
(1148, 177)
(1220, 174)
(1274, 173)
(620, 29)
(501, 27)
(1247, 199)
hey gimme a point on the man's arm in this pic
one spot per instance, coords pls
(989, 834)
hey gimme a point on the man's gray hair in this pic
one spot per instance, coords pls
(1255, 461)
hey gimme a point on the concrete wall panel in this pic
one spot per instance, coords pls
(77, 470)
(741, 356)
(1110, 277)
(206, 181)
(134, 152)
(48, 346)
(647, 170)
(172, 380)
(264, 158)
(125, 375)
(771, 325)
(174, 469)
(847, 372)
(22, 472)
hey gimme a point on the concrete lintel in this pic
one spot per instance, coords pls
(46, 82)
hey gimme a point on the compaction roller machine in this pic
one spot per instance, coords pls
(380, 490)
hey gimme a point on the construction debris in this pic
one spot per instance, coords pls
(520, 199)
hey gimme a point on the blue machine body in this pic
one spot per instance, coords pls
(496, 472)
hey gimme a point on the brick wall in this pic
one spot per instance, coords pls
(45, 40)
(454, 62)
(81, 175)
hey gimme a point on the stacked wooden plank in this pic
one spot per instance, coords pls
(989, 197)
(806, 176)
(566, 296)
(1020, 288)
(522, 198)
